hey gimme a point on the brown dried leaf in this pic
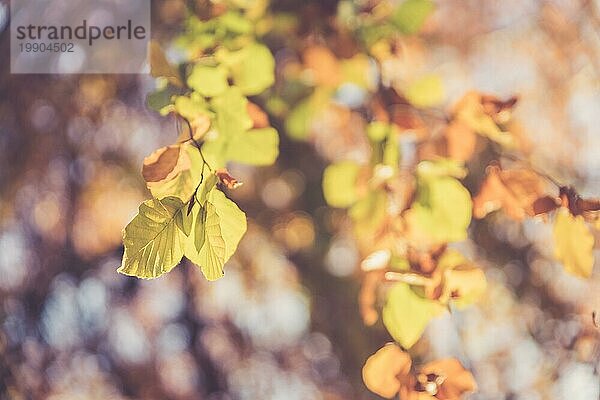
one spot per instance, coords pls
(450, 379)
(160, 66)
(513, 191)
(161, 164)
(226, 179)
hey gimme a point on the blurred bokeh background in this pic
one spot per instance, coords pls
(283, 323)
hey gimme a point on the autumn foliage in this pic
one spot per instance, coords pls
(407, 202)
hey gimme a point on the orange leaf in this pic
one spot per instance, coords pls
(513, 191)
(323, 65)
(259, 118)
(386, 370)
(446, 379)
(460, 141)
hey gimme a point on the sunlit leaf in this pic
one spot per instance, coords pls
(232, 112)
(252, 68)
(407, 314)
(339, 184)
(463, 282)
(359, 71)
(573, 243)
(427, 91)
(385, 370)
(299, 121)
(154, 240)
(173, 171)
(441, 213)
(254, 147)
(218, 227)
(208, 81)
(194, 109)
(411, 14)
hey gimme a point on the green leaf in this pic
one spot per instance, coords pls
(232, 113)
(339, 184)
(252, 68)
(573, 243)
(410, 16)
(208, 81)
(299, 120)
(206, 187)
(219, 227)
(211, 256)
(154, 242)
(441, 213)
(162, 100)
(427, 91)
(199, 235)
(406, 314)
(191, 107)
(234, 22)
(254, 147)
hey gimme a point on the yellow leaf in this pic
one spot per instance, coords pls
(573, 243)
(339, 184)
(253, 68)
(208, 81)
(442, 212)
(427, 91)
(154, 240)
(254, 147)
(218, 228)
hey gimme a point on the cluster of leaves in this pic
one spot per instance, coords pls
(389, 372)
(406, 214)
(404, 223)
(407, 200)
(189, 215)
